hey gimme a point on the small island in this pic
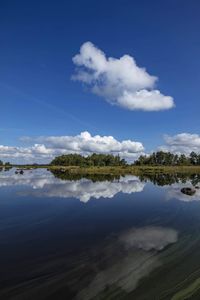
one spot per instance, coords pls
(158, 162)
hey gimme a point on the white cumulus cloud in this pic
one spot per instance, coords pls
(45, 148)
(85, 143)
(120, 81)
(182, 143)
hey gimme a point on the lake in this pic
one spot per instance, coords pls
(98, 237)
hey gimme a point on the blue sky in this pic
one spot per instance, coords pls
(39, 98)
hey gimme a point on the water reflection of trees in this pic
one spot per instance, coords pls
(75, 176)
(160, 179)
(168, 179)
(6, 168)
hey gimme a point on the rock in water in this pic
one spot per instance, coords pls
(188, 191)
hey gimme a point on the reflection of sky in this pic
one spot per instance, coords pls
(31, 178)
(139, 255)
(117, 244)
(174, 192)
(42, 183)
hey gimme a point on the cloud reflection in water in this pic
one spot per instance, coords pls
(139, 255)
(174, 192)
(41, 183)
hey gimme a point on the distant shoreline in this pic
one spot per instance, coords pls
(115, 170)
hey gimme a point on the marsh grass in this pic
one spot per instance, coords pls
(119, 170)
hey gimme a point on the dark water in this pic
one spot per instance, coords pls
(98, 237)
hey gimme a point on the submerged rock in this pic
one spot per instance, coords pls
(188, 191)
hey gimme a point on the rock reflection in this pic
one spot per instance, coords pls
(174, 192)
(175, 183)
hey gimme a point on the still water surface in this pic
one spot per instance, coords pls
(98, 237)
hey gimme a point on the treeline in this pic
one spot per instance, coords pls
(6, 164)
(89, 161)
(162, 158)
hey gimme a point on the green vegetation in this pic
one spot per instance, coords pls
(89, 161)
(7, 164)
(160, 162)
(154, 173)
(162, 158)
(108, 164)
(188, 292)
(159, 158)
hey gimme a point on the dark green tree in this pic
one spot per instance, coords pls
(95, 159)
(194, 158)
(162, 158)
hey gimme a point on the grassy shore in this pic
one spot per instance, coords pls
(135, 170)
